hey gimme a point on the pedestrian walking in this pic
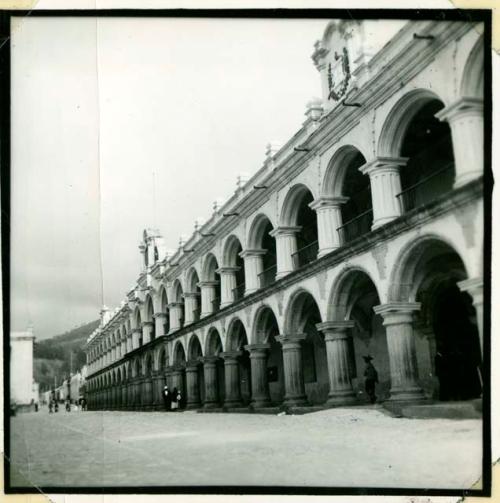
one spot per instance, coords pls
(50, 406)
(175, 403)
(67, 405)
(371, 378)
(56, 406)
(167, 398)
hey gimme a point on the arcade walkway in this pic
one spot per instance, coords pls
(336, 447)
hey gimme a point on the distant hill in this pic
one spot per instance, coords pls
(57, 356)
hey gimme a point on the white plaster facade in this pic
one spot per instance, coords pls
(23, 389)
(184, 315)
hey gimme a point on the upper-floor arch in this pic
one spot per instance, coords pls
(236, 335)
(260, 256)
(232, 272)
(298, 230)
(472, 82)
(210, 285)
(213, 344)
(415, 154)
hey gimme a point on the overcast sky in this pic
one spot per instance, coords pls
(122, 124)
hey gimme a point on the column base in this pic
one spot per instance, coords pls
(250, 291)
(233, 404)
(414, 393)
(211, 405)
(282, 274)
(296, 400)
(466, 178)
(258, 403)
(341, 398)
(193, 405)
(326, 251)
(383, 221)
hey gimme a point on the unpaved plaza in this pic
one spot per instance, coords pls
(338, 447)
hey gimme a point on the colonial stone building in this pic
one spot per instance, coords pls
(363, 234)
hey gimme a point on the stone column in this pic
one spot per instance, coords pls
(232, 379)
(138, 393)
(124, 396)
(175, 309)
(169, 377)
(398, 320)
(147, 395)
(193, 386)
(177, 381)
(474, 287)
(160, 319)
(465, 118)
(159, 383)
(286, 246)
(190, 304)
(136, 334)
(211, 391)
(292, 367)
(329, 220)
(337, 334)
(130, 394)
(385, 184)
(258, 370)
(227, 284)
(208, 294)
(254, 265)
(147, 331)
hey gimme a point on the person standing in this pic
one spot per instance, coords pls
(371, 378)
(167, 398)
(174, 403)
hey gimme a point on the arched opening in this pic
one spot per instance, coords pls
(356, 210)
(413, 131)
(261, 240)
(214, 348)
(353, 298)
(138, 324)
(237, 340)
(232, 259)
(179, 373)
(195, 354)
(194, 295)
(150, 318)
(302, 317)
(179, 354)
(212, 284)
(297, 213)
(164, 309)
(446, 331)
(266, 330)
(179, 301)
(473, 75)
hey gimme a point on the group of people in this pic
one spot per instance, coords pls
(173, 400)
(54, 405)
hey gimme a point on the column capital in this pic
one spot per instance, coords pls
(383, 164)
(190, 295)
(283, 230)
(474, 287)
(192, 365)
(147, 323)
(230, 355)
(395, 313)
(336, 329)
(202, 284)
(159, 315)
(137, 330)
(211, 360)
(252, 252)
(227, 270)
(325, 202)
(175, 304)
(178, 367)
(463, 107)
(257, 348)
(290, 340)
